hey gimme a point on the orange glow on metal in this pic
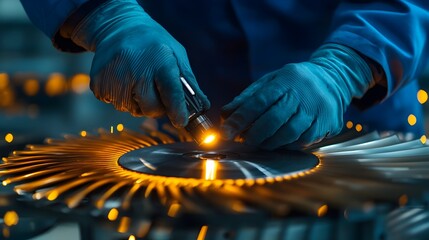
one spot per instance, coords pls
(322, 210)
(124, 224)
(412, 120)
(31, 87)
(422, 96)
(202, 233)
(11, 218)
(8, 137)
(52, 195)
(79, 83)
(41, 171)
(83, 133)
(358, 127)
(210, 168)
(56, 85)
(173, 210)
(113, 214)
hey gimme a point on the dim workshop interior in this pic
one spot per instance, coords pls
(74, 167)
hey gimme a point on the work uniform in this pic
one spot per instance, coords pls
(232, 43)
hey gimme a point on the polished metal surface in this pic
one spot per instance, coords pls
(232, 160)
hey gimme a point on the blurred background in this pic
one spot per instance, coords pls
(45, 93)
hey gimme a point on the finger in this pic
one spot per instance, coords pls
(171, 93)
(251, 109)
(147, 98)
(270, 122)
(289, 132)
(111, 85)
(229, 108)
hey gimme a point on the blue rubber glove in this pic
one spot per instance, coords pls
(300, 103)
(137, 63)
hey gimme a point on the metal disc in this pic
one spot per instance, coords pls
(228, 160)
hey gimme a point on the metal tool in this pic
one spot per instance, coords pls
(199, 127)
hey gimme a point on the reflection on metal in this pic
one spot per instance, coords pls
(202, 233)
(210, 168)
(138, 174)
(113, 214)
(322, 210)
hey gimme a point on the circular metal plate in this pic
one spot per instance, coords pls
(228, 160)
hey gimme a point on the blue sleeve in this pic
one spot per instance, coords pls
(49, 16)
(394, 34)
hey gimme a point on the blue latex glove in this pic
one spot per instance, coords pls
(300, 103)
(137, 63)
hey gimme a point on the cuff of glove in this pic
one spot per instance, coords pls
(354, 72)
(378, 91)
(109, 18)
(62, 39)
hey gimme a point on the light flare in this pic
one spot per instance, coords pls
(210, 168)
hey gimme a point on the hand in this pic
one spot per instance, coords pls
(137, 63)
(299, 103)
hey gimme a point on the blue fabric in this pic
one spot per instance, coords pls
(231, 43)
(49, 15)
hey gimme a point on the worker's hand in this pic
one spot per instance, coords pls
(137, 63)
(299, 103)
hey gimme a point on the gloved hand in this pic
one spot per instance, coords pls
(300, 103)
(137, 63)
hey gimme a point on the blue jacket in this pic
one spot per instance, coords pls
(231, 43)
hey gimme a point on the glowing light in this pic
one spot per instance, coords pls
(4, 81)
(202, 233)
(238, 206)
(412, 120)
(120, 127)
(358, 127)
(422, 96)
(403, 199)
(322, 210)
(56, 85)
(11, 218)
(349, 124)
(52, 195)
(31, 87)
(7, 97)
(111, 129)
(124, 224)
(132, 237)
(173, 210)
(80, 83)
(83, 133)
(113, 214)
(6, 232)
(423, 139)
(209, 139)
(210, 168)
(8, 137)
